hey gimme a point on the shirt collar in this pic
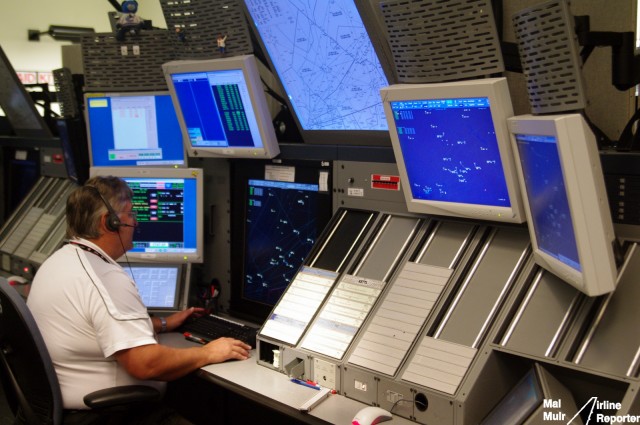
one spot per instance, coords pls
(88, 246)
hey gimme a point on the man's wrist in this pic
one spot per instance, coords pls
(163, 325)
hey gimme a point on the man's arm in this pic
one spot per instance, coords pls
(164, 363)
(175, 320)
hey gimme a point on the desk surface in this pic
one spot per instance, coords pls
(275, 390)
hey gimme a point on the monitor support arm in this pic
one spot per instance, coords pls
(625, 74)
(625, 70)
(625, 65)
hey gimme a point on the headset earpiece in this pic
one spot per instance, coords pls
(113, 221)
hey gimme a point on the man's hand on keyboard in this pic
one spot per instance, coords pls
(177, 319)
(223, 349)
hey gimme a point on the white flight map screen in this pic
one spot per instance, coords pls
(134, 123)
(325, 60)
(157, 285)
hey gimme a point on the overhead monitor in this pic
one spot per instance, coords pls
(17, 105)
(133, 129)
(452, 148)
(222, 108)
(169, 207)
(327, 67)
(159, 285)
(565, 200)
(274, 227)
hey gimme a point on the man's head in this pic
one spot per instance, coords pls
(95, 208)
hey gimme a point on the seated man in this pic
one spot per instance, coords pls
(90, 313)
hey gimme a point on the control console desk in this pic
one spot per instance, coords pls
(274, 390)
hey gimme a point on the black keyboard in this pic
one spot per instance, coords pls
(211, 327)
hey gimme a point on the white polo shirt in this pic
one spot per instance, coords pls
(87, 309)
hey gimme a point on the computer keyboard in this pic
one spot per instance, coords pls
(211, 327)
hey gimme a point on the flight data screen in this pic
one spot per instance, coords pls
(166, 214)
(281, 226)
(450, 151)
(217, 109)
(326, 62)
(130, 130)
(547, 196)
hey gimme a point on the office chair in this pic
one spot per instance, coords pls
(28, 377)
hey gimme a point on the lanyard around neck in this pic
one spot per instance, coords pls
(91, 250)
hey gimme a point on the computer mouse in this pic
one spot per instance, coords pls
(17, 280)
(371, 415)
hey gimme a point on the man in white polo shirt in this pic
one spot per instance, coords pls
(90, 313)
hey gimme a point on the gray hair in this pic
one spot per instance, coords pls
(85, 207)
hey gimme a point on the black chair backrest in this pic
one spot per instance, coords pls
(28, 377)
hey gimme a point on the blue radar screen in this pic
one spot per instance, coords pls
(280, 231)
(450, 151)
(548, 199)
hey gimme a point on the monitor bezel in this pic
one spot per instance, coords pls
(180, 173)
(246, 63)
(587, 197)
(497, 91)
(89, 96)
(336, 137)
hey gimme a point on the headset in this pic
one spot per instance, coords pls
(113, 224)
(113, 221)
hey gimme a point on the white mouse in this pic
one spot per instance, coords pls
(371, 415)
(17, 280)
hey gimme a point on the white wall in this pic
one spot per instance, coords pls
(17, 17)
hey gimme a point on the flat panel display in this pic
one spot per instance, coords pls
(275, 224)
(159, 285)
(327, 66)
(565, 200)
(527, 401)
(281, 229)
(549, 203)
(169, 207)
(222, 108)
(452, 148)
(523, 399)
(17, 104)
(133, 129)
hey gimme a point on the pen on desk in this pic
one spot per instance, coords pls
(304, 383)
(192, 338)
